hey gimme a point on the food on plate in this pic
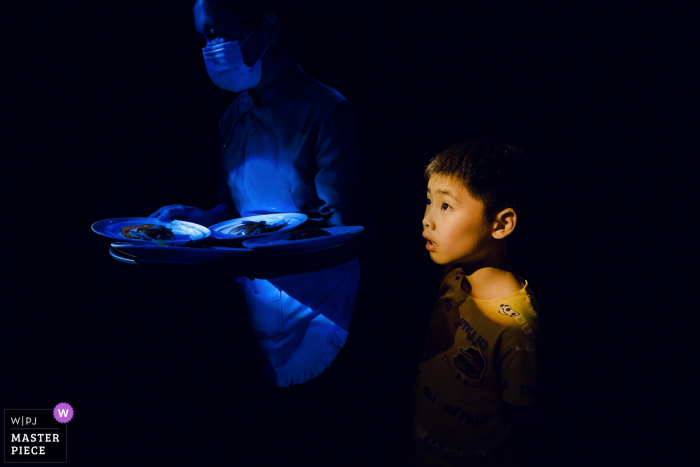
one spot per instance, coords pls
(148, 232)
(126, 230)
(252, 227)
(305, 233)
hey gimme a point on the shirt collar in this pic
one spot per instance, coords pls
(284, 88)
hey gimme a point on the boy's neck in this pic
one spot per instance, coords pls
(489, 282)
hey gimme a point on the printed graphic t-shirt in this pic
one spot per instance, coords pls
(479, 355)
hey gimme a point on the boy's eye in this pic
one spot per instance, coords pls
(445, 206)
(428, 201)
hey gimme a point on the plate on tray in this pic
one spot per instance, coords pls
(183, 231)
(282, 245)
(180, 254)
(270, 224)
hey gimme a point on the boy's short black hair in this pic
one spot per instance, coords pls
(496, 174)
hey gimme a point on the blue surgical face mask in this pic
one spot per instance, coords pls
(226, 68)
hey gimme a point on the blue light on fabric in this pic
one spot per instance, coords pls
(300, 321)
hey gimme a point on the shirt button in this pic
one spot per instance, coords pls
(224, 146)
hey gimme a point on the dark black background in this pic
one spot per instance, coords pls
(110, 113)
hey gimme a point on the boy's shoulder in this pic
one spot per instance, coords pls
(452, 279)
(516, 310)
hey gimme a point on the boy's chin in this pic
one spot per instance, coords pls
(437, 260)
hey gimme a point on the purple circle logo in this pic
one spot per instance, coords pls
(63, 413)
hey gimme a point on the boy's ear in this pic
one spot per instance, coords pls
(504, 223)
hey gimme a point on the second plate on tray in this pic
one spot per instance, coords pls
(288, 220)
(281, 245)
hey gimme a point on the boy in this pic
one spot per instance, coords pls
(472, 400)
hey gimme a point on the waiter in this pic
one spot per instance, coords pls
(287, 143)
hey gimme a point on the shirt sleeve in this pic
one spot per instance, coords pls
(339, 154)
(519, 374)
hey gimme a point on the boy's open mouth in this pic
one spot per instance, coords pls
(429, 244)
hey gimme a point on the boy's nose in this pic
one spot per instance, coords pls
(427, 223)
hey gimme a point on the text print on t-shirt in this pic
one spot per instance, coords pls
(464, 416)
(471, 333)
